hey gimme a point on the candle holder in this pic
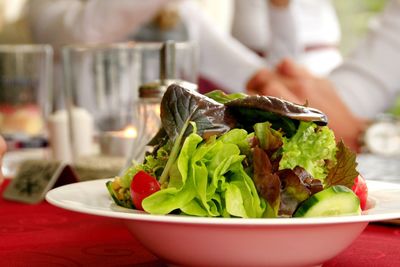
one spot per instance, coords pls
(118, 143)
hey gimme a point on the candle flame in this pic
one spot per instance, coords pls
(157, 110)
(130, 132)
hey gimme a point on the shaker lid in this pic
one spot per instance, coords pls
(157, 88)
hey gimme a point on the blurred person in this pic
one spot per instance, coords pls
(365, 85)
(3, 149)
(222, 59)
(305, 30)
(221, 13)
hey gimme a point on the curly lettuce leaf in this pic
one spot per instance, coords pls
(310, 148)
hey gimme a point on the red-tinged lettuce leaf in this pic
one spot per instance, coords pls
(345, 170)
(280, 107)
(268, 184)
(159, 139)
(180, 105)
(281, 114)
(296, 186)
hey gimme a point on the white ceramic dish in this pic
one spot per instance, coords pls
(194, 241)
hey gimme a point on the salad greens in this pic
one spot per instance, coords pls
(210, 180)
(220, 155)
(309, 148)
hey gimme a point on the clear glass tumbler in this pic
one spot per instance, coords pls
(101, 85)
(25, 90)
(26, 73)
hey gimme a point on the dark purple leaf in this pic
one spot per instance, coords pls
(180, 105)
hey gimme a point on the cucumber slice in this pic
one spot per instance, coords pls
(333, 201)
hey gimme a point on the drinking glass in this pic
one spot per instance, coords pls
(25, 89)
(101, 86)
(26, 73)
(107, 118)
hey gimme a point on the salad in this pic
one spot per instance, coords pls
(234, 155)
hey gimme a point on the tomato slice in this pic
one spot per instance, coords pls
(361, 190)
(142, 186)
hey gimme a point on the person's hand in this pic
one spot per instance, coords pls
(3, 148)
(293, 83)
(279, 3)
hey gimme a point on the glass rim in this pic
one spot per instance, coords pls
(25, 48)
(158, 45)
(82, 47)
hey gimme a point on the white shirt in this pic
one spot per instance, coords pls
(307, 31)
(369, 80)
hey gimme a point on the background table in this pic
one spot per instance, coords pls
(44, 235)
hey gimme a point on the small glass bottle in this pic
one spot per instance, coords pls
(148, 119)
(150, 95)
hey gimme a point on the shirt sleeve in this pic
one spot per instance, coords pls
(318, 32)
(222, 58)
(67, 21)
(284, 34)
(368, 81)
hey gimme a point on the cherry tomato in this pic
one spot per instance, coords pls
(142, 186)
(361, 190)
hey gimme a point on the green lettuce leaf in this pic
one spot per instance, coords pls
(253, 204)
(270, 139)
(211, 181)
(234, 201)
(240, 138)
(223, 98)
(181, 188)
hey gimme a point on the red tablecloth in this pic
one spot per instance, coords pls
(44, 235)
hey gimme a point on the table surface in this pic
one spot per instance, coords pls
(44, 235)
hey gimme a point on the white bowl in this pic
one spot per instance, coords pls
(195, 241)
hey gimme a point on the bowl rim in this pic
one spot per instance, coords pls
(383, 206)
